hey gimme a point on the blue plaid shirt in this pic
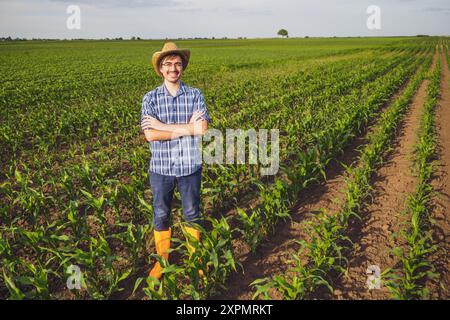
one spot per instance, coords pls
(179, 156)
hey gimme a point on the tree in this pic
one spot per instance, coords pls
(283, 33)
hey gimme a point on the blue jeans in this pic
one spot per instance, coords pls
(163, 188)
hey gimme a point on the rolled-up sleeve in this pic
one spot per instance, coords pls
(147, 110)
(201, 106)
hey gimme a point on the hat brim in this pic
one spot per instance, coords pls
(158, 56)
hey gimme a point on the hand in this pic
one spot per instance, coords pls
(197, 116)
(149, 122)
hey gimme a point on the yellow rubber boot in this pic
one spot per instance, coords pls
(195, 234)
(162, 243)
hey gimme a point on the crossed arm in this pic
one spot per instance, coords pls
(155, 130)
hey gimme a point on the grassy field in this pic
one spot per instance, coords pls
(74, 187)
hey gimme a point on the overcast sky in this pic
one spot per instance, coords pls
(230, 18)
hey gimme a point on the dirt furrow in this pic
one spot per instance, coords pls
(439, 289)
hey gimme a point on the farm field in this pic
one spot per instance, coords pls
(359, 208)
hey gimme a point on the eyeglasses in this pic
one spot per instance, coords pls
(178, 65)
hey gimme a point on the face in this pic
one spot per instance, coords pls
(171, 68)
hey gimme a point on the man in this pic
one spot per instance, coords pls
(173, 116)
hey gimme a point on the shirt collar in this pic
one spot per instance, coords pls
(181, 90)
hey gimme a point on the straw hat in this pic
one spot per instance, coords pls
(170, 48)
